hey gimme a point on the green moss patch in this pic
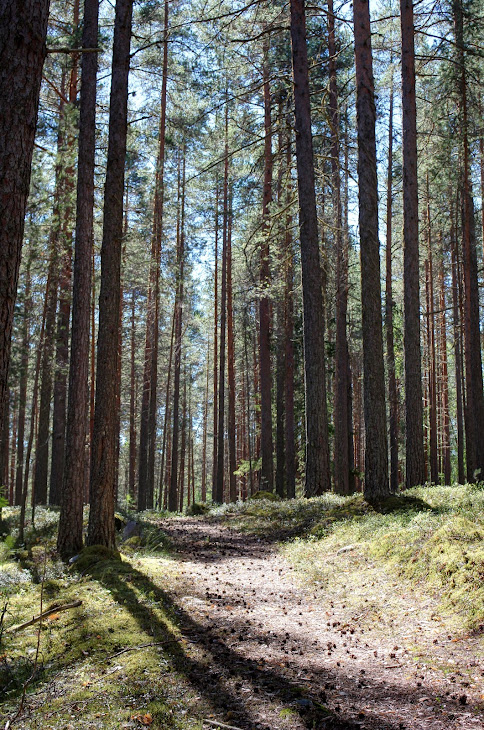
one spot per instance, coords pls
(433, 536)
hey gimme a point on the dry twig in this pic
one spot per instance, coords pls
(42, 616)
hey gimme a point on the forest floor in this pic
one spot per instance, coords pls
(283, 616)
(363, 652)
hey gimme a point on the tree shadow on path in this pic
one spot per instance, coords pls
(217, 671)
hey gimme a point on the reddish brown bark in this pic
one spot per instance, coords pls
(318, 477)
(103, 449)
(230, 364)
(457, 355)
(433, 436)
(13, 443)
(444, 378)
(132, 400)
(267, 447)
(343, 477)
(289, 438)
(413, 370)
(23, 27)
(69, 540)
(376, 485)
(215, 353)
(204, 431)
(473, 362)
(150, 377)
(60, 377)
(166, 418)
(173, 489)
(389, 304)
(219, 491)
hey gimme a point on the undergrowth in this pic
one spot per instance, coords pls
(115, 661)
(434, 536)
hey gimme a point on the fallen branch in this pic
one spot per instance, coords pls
(140, 646)
(42, 616)
(214, 723)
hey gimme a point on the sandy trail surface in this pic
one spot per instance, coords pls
(288, 655)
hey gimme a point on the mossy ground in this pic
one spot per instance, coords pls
(94, 670)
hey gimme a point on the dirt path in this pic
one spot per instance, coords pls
(294, 657)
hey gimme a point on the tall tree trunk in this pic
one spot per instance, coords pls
(231, 362)
(69, 540)
(42, 445)
(219, 491)
(343, 481)
(24, 368)
(280, 319)
(289, 438)
(23, 28)
(247, 390)
(13, 443)
(413, 370)
(473, 360)
(103, 450)
(457, 353)
(5, 448)
(60, 377)
(318, 477)
(433, 439)
(204, 430)
(150, 377)
(376, 456)
(132, 401)
(172, 493)
(444, 376)
(389, 304)
(267, 447)
(166, 417)
(32, 429)
(215, 353)
(183, 445)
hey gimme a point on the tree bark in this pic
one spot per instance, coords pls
(413, 369)
(343, 478)
(24, 368)
(167, 410)
(132, 400)
(231, 362)
(173, 490)
(23, 28)
(215, 352)
(69, 540)
(60, 377)
(204, 431)
(433, 438)
(389, 304)
(472, 335)
(318, 477)
(267, 446)
(376, 484)
(150, 378)
(444, 376)
(103, 450)
(457, 354)
(219, 491)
